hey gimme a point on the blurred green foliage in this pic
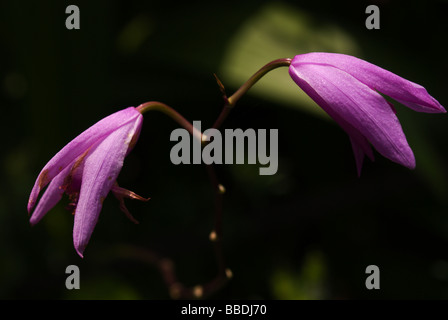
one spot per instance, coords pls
(308, 232)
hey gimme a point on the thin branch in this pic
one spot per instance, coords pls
(231, 101)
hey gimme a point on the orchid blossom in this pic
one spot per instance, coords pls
(347, 88)
(86, 170)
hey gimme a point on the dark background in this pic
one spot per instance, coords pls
(308, 232)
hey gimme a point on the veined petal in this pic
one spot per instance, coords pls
(101, 169)
(68, 181)
(339, 93)
(359, 153)
(404, 91)
(79, 145)
(360, 145)
(51, 196)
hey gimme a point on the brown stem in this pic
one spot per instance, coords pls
(217, 234)
(176, 116)
(167, 269)
(231, 101)
(166, 266)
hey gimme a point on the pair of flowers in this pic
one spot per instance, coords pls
(347, 88)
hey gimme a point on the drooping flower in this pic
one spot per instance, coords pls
(86, 170)
(347, 88)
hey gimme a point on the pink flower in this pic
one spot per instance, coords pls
(86, 169)
(347, 89)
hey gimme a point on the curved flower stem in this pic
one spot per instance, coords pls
(176, 116)
(166, 267)
(231, 101)
(177, 289)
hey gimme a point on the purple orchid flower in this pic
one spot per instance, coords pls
(346, 88)
(86, 169)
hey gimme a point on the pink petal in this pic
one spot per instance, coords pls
(360, 145)
(101, 169)
(79, 145)
(339, 93)
(359, 152)
(404, 91)
(51, 196)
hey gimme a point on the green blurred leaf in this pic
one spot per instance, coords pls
(306, 284)
(277, 31)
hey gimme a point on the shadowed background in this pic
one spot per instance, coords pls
(308, 232)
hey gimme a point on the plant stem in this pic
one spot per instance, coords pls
(216, 235)
(173, 114)
(232, 100)
(177, 289)
(166, 266)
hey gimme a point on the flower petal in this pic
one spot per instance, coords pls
(51, 196)
(339, 93)
(101, 169)
(404, 91)
(360, 145)
(79, 145)
(359, 153)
